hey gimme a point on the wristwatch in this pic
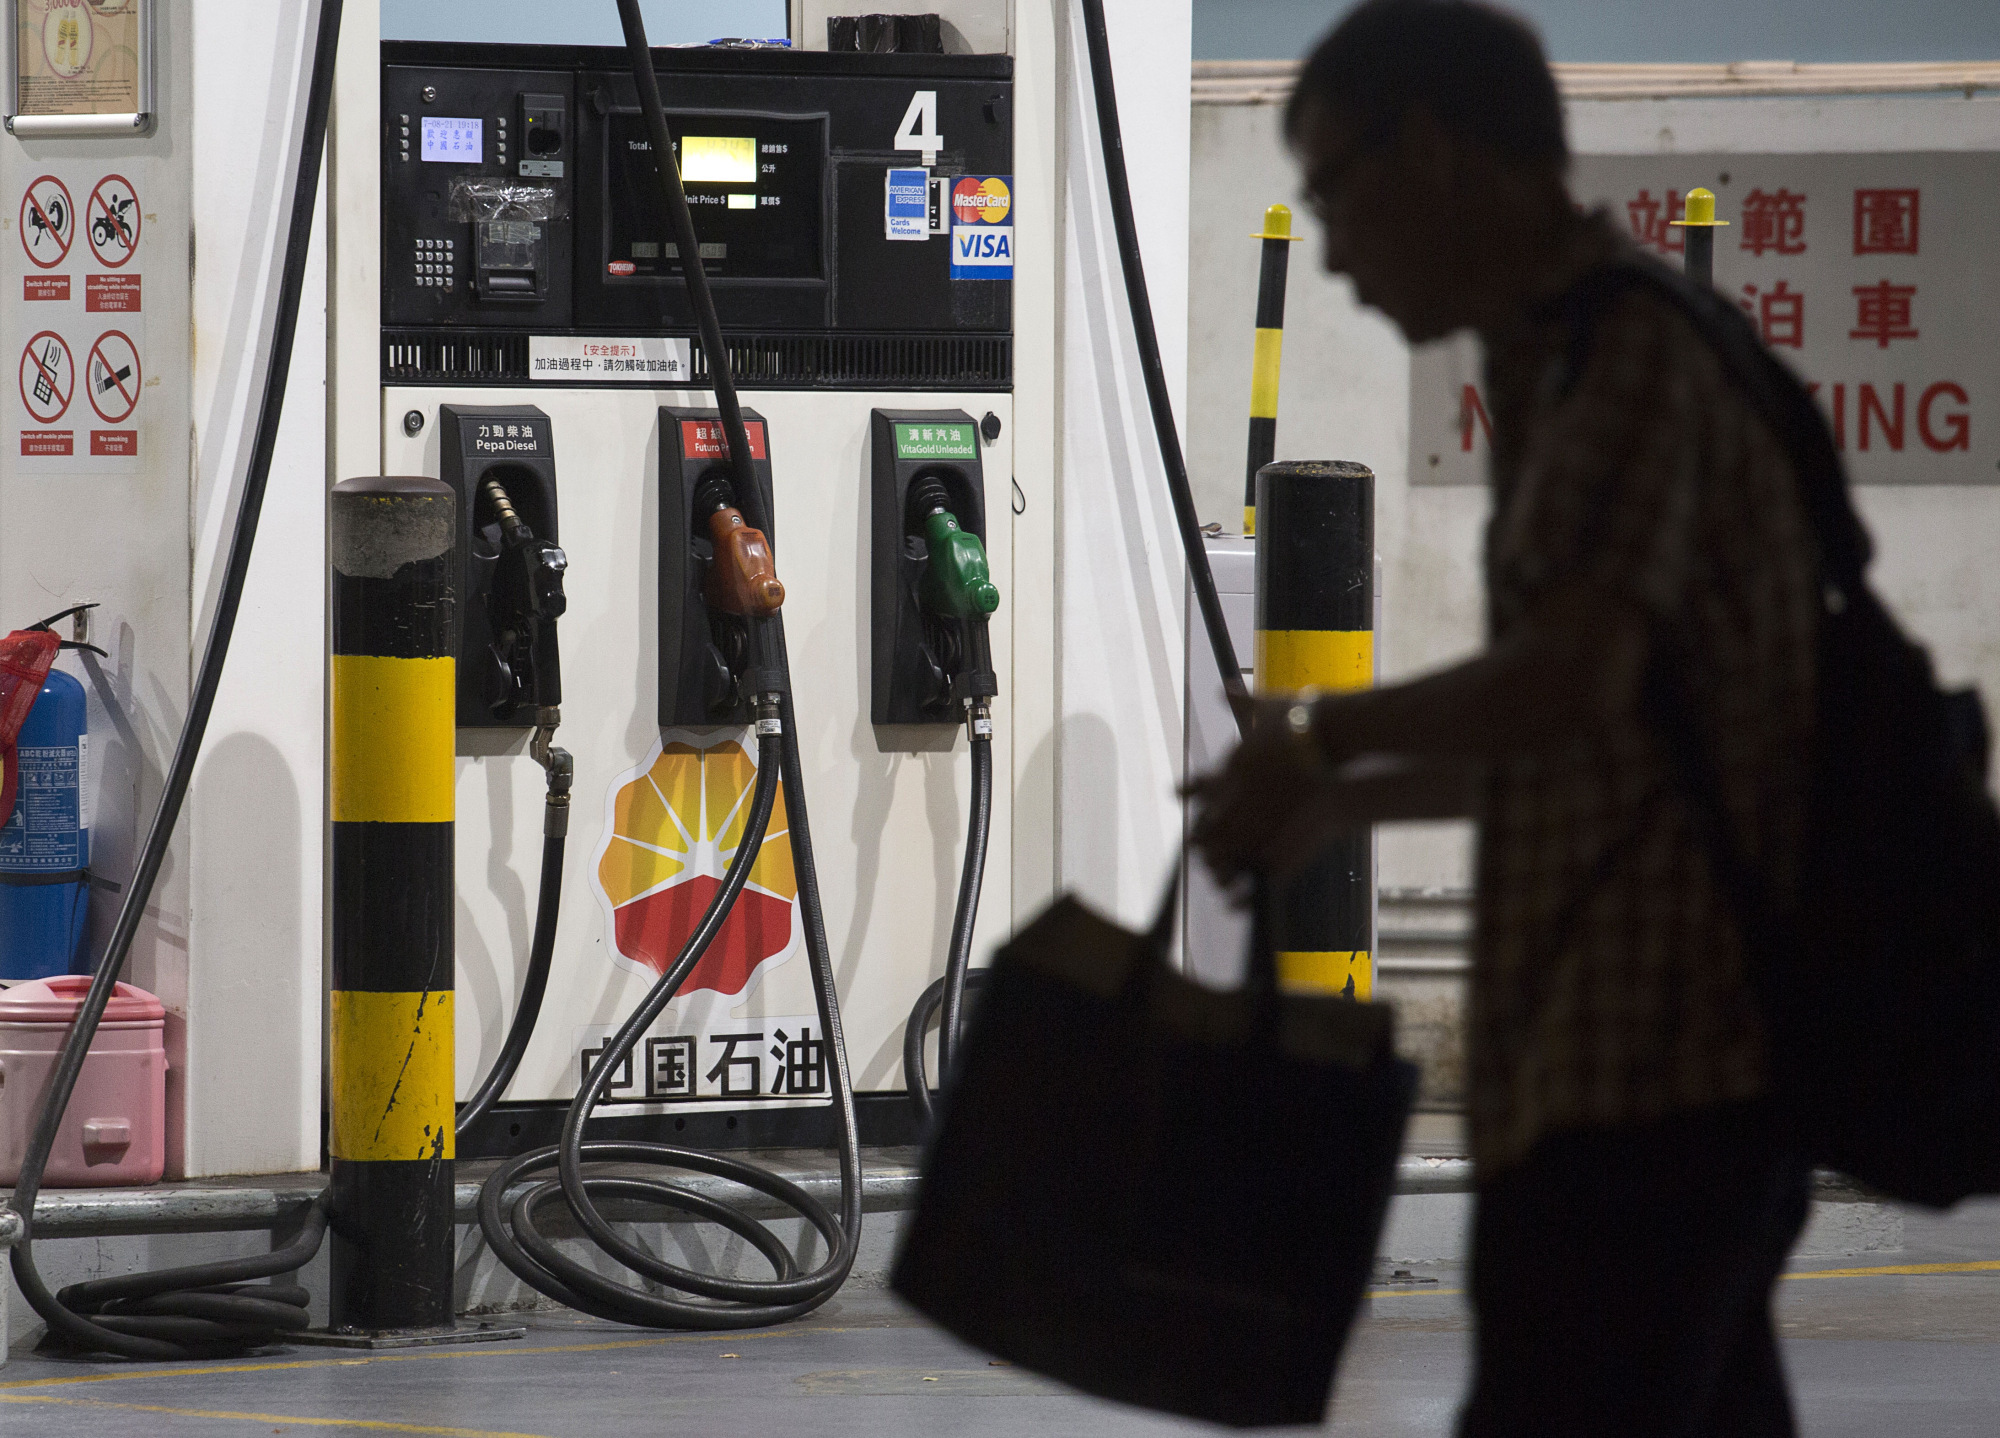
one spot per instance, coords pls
(1299, 716)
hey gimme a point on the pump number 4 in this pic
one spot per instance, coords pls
(919, 130)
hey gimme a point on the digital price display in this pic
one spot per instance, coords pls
(454, 141)
(718, 160)
(757, 200)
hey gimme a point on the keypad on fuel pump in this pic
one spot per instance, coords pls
(436, 263)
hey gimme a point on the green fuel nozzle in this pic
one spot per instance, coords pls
(957, 582)
(957, 585)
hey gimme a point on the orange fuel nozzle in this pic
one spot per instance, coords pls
(743, 578)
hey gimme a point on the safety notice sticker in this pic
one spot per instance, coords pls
(651, 360)
(111, 294)
(48, 377)
(48, 222)
(114, 377)
(79, 404)
(112, 216)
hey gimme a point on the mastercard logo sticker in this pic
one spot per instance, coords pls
(675, 827)
(977, 201)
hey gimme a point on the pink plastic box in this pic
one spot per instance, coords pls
(115, 1130)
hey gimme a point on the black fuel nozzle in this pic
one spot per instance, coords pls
(527, 597)
(540, 564)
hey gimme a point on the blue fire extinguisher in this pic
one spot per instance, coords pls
(45, 843)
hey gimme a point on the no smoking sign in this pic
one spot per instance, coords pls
(48, 377)
(114, 378)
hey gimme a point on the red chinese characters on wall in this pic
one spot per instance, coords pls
(1885, 222)
(1780, 313)
(1774, 223)
(1882, 313)
(1651, 221)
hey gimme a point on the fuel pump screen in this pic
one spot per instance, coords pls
(757, 199)
(714, 159)
(454, 141)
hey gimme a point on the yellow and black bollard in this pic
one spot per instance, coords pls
(390, 1070)
(1699, 224)
(1316, 630)
(1278, 239)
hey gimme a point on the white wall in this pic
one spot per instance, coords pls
(83, 530)
(255, 817)
(1121, 570)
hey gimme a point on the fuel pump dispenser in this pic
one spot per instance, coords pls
(933, 599)
(829, 305)
(686, 1002)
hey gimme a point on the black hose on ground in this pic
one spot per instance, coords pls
(511, 1228)
(205, 1310)
(1105, 88)
(960, 977)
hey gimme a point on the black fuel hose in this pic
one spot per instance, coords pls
(960, 977)
(541, 952)
(211, 1308)
(1110, 135)
(511, 1227)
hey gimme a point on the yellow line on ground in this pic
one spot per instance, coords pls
(1889, 1270)
(484, 1350)
(377, 1425)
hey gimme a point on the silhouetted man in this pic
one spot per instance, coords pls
(1636, 1202)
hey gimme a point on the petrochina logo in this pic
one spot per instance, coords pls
(674, 826)
(981, 202)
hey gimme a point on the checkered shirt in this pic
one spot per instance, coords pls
(1609, 982)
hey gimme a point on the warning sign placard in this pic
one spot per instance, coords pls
(48, 222)
(110, 294)
(48, 377)
(112, 221)
(77, 406)
(1869, 275)
(114, 377)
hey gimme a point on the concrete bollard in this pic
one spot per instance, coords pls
(390, 1072)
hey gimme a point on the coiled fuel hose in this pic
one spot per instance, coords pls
(211, 1308)
(581, 1176)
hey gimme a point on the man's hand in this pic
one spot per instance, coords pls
(1274, 804)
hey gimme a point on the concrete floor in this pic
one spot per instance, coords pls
(1874, 1348)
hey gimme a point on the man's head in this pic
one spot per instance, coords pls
(1432, 140)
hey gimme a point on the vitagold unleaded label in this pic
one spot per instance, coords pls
(936, 441)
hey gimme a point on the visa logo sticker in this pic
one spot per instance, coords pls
(982, 252)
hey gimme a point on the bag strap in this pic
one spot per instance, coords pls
(1260, 979)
